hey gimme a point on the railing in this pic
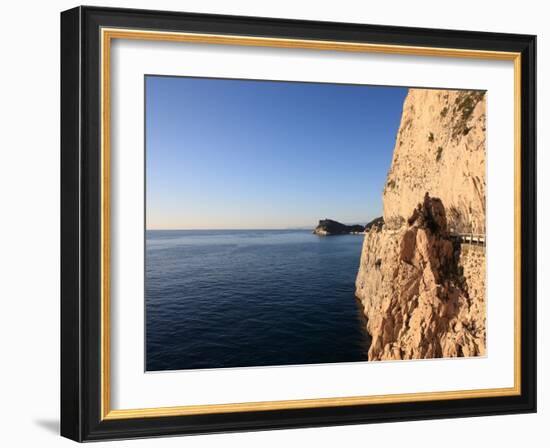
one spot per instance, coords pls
(468, 238)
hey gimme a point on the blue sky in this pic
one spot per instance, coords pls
(224, 154)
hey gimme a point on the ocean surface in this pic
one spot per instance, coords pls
(240, 298)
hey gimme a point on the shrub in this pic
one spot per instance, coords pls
(465, 104)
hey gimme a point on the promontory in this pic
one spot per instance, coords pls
(328, 227)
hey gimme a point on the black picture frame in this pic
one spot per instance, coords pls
(81, 224)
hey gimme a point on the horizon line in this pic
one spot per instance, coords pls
(297, 227)
(302, 227)
(234, 228)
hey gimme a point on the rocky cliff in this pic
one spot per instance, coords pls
(422, 289)
(440, 148)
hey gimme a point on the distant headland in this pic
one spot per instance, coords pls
(327, 227)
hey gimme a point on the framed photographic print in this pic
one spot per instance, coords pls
(273, 223)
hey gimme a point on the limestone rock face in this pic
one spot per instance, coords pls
(423, 294)
(440, 148)
(422, 289)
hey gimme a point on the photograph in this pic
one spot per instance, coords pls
(296, 223)
(282, 222)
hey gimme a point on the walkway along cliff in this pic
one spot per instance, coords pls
(421, 282)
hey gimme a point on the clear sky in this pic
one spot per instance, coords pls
(225, 154)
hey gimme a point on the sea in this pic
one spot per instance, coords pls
(249, 298)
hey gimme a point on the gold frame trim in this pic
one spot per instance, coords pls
(107, 35)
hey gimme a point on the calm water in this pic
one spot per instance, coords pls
(251, 298)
